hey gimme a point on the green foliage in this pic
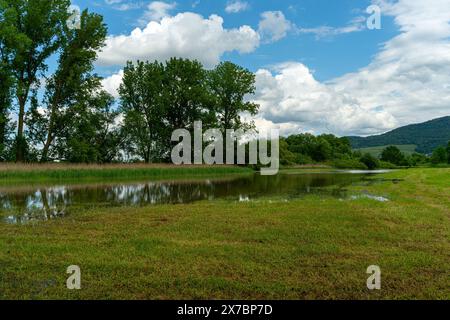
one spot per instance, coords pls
(393, 155)
(286, 156)
(322, 148)
(386, 165)
(20, 146)
(184, 93)
(143, 106)
(439, 156)
(73, 82)
(417, 159)
(228, 86)
(157, 99)
(370, 161)
(349, 164)
(448, 152)
(31, 32)
(93, 136)
(302, 159)
(5, 104)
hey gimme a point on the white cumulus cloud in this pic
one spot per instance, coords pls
(290, 95)
(186, 35)
(408, 81)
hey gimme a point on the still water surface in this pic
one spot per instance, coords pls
(24, 204)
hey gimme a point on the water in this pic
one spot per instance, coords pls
(23, 204)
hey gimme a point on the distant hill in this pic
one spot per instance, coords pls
(426, 136)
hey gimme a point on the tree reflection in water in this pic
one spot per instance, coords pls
(24, 205)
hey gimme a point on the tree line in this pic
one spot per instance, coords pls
(61, 112)
(65, 114)
(304, 149)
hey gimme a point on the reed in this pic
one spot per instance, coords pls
(32, 172)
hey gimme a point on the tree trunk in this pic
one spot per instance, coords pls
(20, 152)
(48, 142)
(51, 125)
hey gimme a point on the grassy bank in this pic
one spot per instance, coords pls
(304, 249)
(48, 172)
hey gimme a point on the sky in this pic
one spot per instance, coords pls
(319, 67)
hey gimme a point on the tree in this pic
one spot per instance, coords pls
(8, 38)
(32, 33)
(393, 155)
(142, 104)
(321, 150)
(93, 136)
(417, 159)
(448, 152)
(5, 104)
(339, 146)
(301, 143)
(439, 156)
(286, 156)
(370, 161)
(229, 85)
(185, 94)
(79, 51)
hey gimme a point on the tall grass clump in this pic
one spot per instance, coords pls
(34, 172)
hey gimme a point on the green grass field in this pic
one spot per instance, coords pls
(314, 248)
(407, 149)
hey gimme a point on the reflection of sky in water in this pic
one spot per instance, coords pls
(50, 202)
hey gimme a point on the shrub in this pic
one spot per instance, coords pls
(386, 165)
(349, 164)
(439, 156)
(393, 155)
(303, 159)
(370, 161)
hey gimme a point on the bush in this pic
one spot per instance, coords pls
(393, 155)
(302, 159)
(349, 164)
(417, 159)
(370, 161)
(439, 156)
(386, 165)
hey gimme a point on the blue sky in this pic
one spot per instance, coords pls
(353, 50)
(318, 67)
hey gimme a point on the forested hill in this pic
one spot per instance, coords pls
(427, 136)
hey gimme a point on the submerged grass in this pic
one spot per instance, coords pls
(10, 173)
(314, 248)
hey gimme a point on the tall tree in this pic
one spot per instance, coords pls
(186, 95)
(393, 155)
(79, 51)
(9, 38)
(32, 33)
(94, 135)
(5, 104)
(141, 93)
(157, 99)
(439, 156)
(229, 85)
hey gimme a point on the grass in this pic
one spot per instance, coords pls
(315, 248)
(11, 173)
(407, 149)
